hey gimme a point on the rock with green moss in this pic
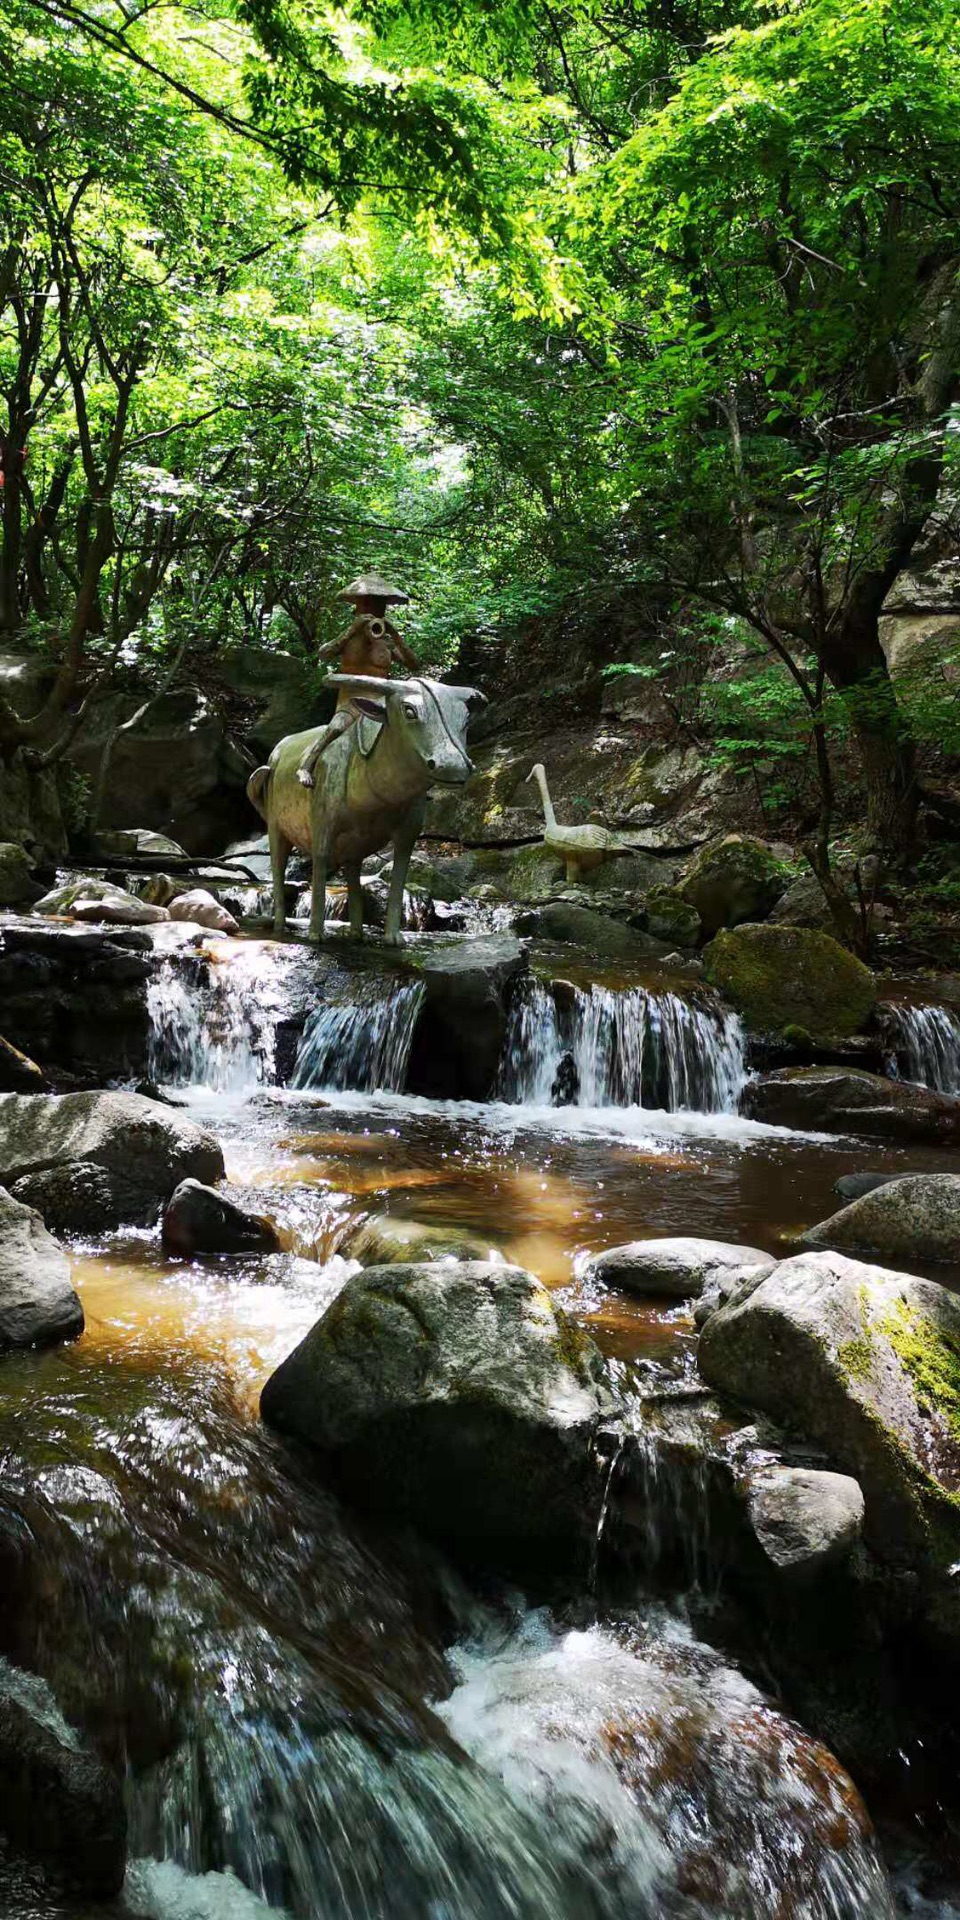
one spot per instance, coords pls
(733, 880)
(913, 1219)
(779, 977)
(671, 917)
(387, 1238)
(17, 885)
(866, 1363)
(460, 1398)
(846, 1100)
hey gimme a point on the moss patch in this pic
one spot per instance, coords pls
(932, 1362)
(779, 977)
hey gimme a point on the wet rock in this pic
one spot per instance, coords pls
(865, 1362)
(199, 1219)
(805, 1519)
(200, 907)
(461, 1024)
(779, 977)
(460, 1398)
(731, 881)
(677, 1269)
(916, 1218)
(17, 885)
(846, 1100)
(59, 1805)
(18, 1073)
(852, 1186)
(91, 1161)
(670, 917)
(99, 900)
(386, 1239)
(38, 1305)
(126, 843)
(602, 936)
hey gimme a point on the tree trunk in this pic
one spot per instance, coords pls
(857, 667)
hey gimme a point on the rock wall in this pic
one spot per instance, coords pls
(74, 998)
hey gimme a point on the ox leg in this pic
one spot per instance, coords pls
(318, 892)
(403, 844)
(280, 851)
(355, 898)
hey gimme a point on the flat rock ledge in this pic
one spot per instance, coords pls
(92, 1161)
(458, 1397)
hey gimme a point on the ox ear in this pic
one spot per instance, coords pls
(474, 699)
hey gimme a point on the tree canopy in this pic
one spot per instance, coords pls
(530, 303)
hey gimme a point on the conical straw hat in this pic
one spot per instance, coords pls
(373, 586)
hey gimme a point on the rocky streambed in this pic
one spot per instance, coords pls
(484, 1502)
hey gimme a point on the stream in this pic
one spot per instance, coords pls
(315, 1715)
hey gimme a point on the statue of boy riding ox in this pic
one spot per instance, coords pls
(370, 788)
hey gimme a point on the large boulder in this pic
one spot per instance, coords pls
(732, 880)
(129, 843)
(59, 1805)
(461, 1025)
(91, 1161)
(845, 1100)
(38, 1305)
(866, 1363)
(17, 885)
(672, 918)
(916, 1219)
(780, 977)
(459, 1397)
(177, 770)
(99, 900)
(199, 1219)
(677, 1269)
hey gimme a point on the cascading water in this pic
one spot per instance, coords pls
(599, 1047)
(214, 1014)
(362, 1044)
(926, 1045)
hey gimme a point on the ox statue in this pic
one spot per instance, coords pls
(370, 787)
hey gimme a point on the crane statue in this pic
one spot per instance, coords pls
(580, 848)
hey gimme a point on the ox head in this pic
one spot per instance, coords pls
(431, 718)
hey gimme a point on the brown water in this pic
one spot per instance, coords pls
(314, 1715)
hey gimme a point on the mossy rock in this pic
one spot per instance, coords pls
(671, 917)
(779, 977)
(17, 885)
(866, 1363)
(733, 880)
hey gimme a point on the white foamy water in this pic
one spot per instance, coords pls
(662, 1763)
(214, 1011)
(160, 1890)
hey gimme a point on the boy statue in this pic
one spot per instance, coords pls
(369, 645)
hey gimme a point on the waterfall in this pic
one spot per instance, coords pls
(599, 1047)
(362, 1044)
(214, 1014)
(926, 1043)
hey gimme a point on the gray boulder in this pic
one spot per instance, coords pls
(852, 1186)
(126, 843)
(732, 880)
(460, 1398)
(199, 1219)
(916, 1218)
(17, 885)
(38, 1305)
(677, 1269)
(198, 906)
(844, 1100)
(804, 1519)
(99, 900)
(60, 1805)
(91, 1161)
(866, 1363)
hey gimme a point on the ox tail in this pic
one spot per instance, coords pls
(257, 790)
